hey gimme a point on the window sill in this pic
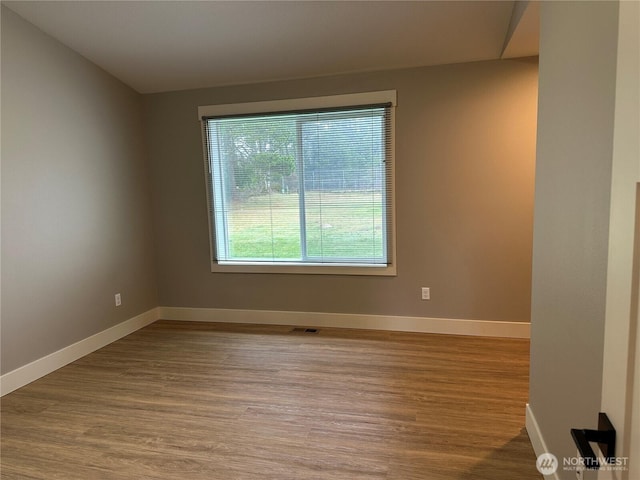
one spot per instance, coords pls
(305, 269)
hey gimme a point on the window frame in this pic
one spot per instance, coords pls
(297, 104)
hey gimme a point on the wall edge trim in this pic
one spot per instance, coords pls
(30, 372)
(536, 438)
(483, 328)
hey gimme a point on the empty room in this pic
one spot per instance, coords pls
(320, 240)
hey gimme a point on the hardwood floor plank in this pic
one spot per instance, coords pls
(228, 401)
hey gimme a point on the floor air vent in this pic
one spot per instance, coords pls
(305, 330)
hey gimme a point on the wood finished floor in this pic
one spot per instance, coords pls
(179, 400)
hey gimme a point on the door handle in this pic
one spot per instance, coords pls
(604, 436)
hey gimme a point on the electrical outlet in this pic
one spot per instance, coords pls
(426, 293)
(118, 300)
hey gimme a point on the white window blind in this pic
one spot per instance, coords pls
(310, 186)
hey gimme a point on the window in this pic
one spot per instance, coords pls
(302, 186)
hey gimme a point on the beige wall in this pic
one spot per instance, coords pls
(465, 156)
(578, 42)
(76, 219)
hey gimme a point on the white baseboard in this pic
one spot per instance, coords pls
(26, 374)
(43, 366)
(485, 328)
(535, 435)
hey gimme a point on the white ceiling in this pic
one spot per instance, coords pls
(156, 46)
